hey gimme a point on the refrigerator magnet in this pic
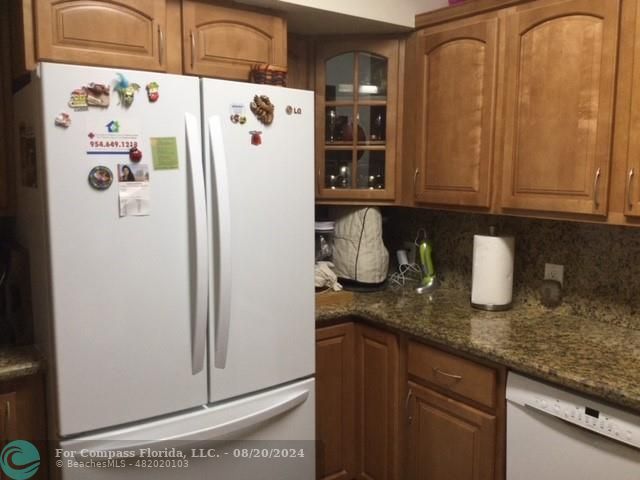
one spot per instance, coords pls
(63, 119)
(153, 93)
(78, 99)
(125, 90)
(263, 109)
(237, 115)
(100, 177)
(98, 95)
(135, 155)
(256, 138)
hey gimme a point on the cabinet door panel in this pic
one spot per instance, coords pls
(335, 420)
(457, 69)
(226, 42)
(449, 440)
(377, 403)
(560, 90)
(103, 32)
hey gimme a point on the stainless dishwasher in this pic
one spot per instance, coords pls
(553, 434)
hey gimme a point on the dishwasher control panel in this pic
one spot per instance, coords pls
(576, 409)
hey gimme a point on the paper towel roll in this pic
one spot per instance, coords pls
(492, 275)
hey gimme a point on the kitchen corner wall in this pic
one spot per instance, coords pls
(602, 263)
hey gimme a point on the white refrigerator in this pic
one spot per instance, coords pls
(173, 298)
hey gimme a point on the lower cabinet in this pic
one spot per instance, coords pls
(335, 402)
(447, 439)
(389, 408)
(22, 416)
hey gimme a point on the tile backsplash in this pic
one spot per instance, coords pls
(602, 263)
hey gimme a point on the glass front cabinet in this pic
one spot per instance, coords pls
(356, 111)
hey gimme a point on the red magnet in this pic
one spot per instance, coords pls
(135, 155)
(152, 91)
(256, 139)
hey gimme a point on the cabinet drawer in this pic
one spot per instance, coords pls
(464, 377)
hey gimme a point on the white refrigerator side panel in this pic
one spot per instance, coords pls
(271, 196)
(121, 287)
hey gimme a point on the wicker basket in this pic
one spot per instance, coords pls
(268, 74)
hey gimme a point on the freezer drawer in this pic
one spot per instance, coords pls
(269, 436)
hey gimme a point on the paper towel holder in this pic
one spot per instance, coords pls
(489, 306)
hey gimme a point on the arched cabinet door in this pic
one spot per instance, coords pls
(130, 34)
(561, 60)
(225, 42)
(456, 67)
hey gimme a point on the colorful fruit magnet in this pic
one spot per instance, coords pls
(263, 109)
(63, 120)
(256, 139)
(125, 90)
(100, 177)
(152, 91)
(135, 155)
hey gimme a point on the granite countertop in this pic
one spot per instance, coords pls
(584, 354)
(16, 362)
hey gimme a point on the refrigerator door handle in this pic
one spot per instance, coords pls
(222, 276)
(224, 430)
(201, 261)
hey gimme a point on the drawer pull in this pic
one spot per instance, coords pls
(193, 49)
(452, 376)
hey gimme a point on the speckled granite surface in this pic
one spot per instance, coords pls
(16, 362)
(602, 271)
(578, 352)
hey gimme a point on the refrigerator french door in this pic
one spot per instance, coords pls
(190, 318)
(261, 203)
(122, 298)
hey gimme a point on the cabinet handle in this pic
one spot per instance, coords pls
(160, 44)
(7, 416)
(193, 49)
(596, 183)
(415, 177)
(453, 376)
(318, 184)
(630, 177)
(406, 405)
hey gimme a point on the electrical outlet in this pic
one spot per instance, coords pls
(554, 272)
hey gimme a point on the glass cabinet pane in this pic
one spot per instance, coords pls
(373, 121)
(339, 81)
(372, 77)
(337, 168)
(371, 169)
(339, 124)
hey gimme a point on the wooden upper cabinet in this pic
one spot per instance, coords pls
(561, 60)
(632, 171)
(131, 34)
(456, 68)
(357, 96)
(225, 42)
